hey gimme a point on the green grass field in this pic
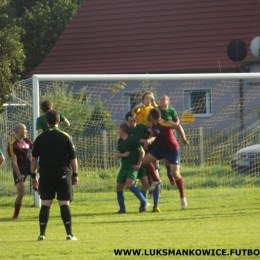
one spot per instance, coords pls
(217, 218)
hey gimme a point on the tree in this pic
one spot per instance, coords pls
(11, 51)
(88, 117)
(21, 5)
(43, 24)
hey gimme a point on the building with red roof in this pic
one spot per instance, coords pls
(166, 36)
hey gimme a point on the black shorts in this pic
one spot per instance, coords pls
(53, 183)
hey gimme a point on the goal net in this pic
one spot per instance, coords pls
(219, 113)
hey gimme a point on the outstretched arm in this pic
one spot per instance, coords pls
(152, 99)
(134, 110)
(180, 131)
(65, 123)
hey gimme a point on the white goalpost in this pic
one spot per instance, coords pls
(219, 112)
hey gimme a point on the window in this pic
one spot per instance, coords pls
(131, 99)
(198, 102)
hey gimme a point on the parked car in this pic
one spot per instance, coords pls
(247, 160)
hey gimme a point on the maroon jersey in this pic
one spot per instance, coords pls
(164, 135)
(20, 149)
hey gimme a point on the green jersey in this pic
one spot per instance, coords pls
(129, 145)
(169, 114)
(1, 153)
(139, 132)
(41, 122)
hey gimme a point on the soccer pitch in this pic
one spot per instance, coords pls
(218, 218)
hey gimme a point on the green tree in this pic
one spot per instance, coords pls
(87, 117)
(20, 6)
(43, 24)
(11, 51)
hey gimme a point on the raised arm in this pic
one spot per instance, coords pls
(180, 131)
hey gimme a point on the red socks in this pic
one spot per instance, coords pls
(152, 172)
(180, 184)
(17, 207)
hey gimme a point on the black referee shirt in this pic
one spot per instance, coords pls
(55, 149)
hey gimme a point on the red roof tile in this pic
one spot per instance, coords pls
(167, 36)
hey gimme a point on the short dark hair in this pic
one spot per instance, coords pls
(52, 117)
(125, 128)
(155, 113)
(129, 114)
(46, 105)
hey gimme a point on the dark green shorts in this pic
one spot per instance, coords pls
(142, 172)
(126, 173)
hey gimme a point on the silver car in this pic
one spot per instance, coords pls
(247, 159)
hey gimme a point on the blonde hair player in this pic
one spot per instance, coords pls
(142, 110)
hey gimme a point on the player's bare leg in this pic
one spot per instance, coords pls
(169, 172)
(175, 169)
(148, 164)
(145, 184)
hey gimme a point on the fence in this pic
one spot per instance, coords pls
(208, 147)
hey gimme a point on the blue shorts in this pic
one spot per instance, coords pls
(173, 157)
(26, 171)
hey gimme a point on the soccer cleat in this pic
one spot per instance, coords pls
(15, 217)
(70, 237)
(184, 203)
(157, 210)
(144, 207)
(41, 237)
(121, 212)
(150, 195)
(154, 185)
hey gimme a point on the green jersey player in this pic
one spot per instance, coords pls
(41, 124)
(131, 154)
(141, 134)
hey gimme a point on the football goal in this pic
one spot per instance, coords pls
(219, 113)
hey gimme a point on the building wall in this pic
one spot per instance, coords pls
(234, 104)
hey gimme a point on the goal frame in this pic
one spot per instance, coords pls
(37, 78)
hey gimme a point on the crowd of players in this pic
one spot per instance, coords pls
(146, 137)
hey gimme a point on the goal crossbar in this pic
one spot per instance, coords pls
(36, 78)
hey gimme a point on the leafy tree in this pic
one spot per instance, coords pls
(86, 117)
(43, 24)
(11, 51)
(20, 6)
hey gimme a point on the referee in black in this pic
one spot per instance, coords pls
(57, 156)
